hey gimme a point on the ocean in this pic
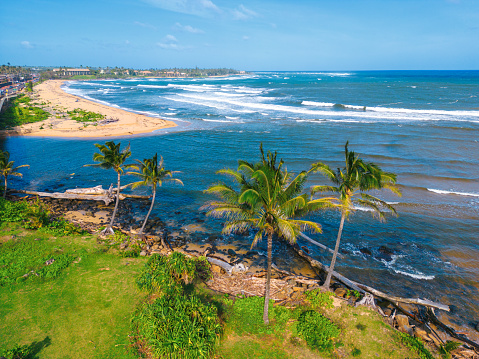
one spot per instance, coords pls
(421, 125)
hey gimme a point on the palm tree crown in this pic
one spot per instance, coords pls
(268, 201)
(350, 184)
(110, 157)
(152, 174)
(7, 169)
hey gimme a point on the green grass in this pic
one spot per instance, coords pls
(83, 77)
(82, 313)
(20, 112)
(85, 307)
(80, 115)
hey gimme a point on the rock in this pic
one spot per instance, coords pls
(143, 253)
(406, 329)
(340, 292)
(402, 321)
(477, 327)
(231, 252)
(89, 213)
(385, 250)
(365, 251)
(238, 268)
(421, 334)
(216, 269)
(155, 247)
(251, 254)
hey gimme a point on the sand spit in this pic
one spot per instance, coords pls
(117, 122)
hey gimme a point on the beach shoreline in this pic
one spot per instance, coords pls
(58, 102)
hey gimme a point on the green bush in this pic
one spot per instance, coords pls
(178, 327)
(317, 330)
(80, 115)
(13, 211)
(319, 299)
(414, 344)
(17, 352)
(176, 324)
(20, 112)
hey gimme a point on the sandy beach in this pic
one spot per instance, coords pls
(58, 102)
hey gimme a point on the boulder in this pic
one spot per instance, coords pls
(231, 252)
(365, 251)
(421, 334)
(340, 292)
(402, 320)
(406, 329)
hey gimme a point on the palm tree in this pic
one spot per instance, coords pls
(110, 157)
(152, 174)
(350, 184)
(268, 201)
(7, 169)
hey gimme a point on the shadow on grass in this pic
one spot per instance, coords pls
(26, 351)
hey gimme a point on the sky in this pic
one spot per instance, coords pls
(251, 35)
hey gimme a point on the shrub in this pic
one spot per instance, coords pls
(17, 352)
(176, 323)
(317, 330)
(178, 327)
(414, 344)
(319, 299)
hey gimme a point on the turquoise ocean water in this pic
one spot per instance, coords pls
(422, 125)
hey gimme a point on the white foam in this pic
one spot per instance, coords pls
(225, 121)
(318, 104)
(438, 191)
(417, 275)
(170, 113)
(232, 117)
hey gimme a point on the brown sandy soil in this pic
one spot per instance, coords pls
(59, 102)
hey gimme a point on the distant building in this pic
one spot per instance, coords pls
(73, 72)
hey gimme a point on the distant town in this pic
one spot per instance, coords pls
(14, 79)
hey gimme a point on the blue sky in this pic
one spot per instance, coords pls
(245, 35)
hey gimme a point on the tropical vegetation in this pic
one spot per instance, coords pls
(350, 184)
(7, 169)
(152, 174)
(20, 111)
(110, 157)
(269, 200)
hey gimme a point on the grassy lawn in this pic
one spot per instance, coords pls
(83, 313)
(83, 309)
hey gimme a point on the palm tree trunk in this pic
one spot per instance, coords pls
(109, 228)
(335, 254)
(268, 279)
(148, 214)
(5, 189)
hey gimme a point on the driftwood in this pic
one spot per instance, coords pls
(319, 244)
(364, 288)
(226, 266)
(431, 316)
(96, 193)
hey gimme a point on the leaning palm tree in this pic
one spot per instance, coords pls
(350, 185)
(7, 169)
(152, 174)
(110, 157)
(268, 201)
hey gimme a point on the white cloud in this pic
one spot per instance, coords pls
(27, 44)
(203, 8)
(170, 42)
(245, 38)
(127, 42)
(145, 25)
(243, 13)
(187, 28)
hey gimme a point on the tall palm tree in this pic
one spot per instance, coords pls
(7, 169)
(152, 174)
(350, 185)
(268, 201)
(110, 157)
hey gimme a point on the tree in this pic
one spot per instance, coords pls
(268, 201)
(152, 174)
(7, 169)
(350, 184)
(110, 157)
